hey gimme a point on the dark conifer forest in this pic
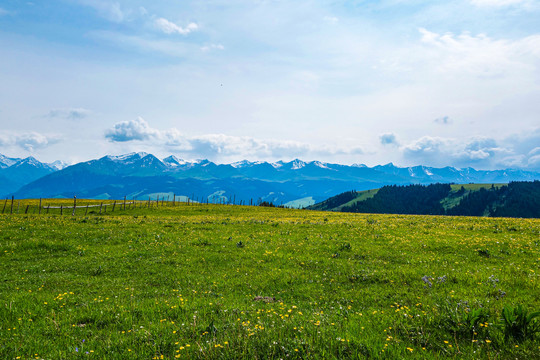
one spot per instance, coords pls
(516, 199)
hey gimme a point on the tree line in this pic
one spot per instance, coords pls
(517, 199)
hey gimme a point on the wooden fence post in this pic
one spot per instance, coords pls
(74, 205)
(113, 206)
(5, 203)
(18, 205)
(174, 200)
(39, 212)
(48, 207)
(100, 206)
(12, 199)
(26, 211)
(61, 209)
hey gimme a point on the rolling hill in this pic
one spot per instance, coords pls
(516, 199)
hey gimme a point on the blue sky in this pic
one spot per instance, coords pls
(440, 83)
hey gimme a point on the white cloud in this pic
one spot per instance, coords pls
(70, 114)
(4, 12)
(478, 152)
(30, 141)
(481, 55)
(210, 47)
(426, 145)
(513, 161)
(219, 146)
(534, 162)
(534, 152)
(137, 129)
(169, 27)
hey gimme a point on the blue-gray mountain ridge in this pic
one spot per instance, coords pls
(16, 172)
(295, 183)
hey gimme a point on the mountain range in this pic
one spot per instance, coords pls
(295, 183)
(15, 172)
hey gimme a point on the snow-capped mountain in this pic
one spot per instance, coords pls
(7, 162)
(246, 163)
(15, 172)
(128, 158)
(142, 174)
(173, 162)
(58, 165)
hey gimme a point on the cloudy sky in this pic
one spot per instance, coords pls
(348, 81)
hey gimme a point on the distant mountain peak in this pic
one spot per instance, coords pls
(58, 165)
(287, 182)
(321, 165)
(173, 161)
(31, 162)
(7, 162)
(277, 164)
(128, 158)
(241, 164)
(297, 164)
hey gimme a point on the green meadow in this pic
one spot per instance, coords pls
(234, 282)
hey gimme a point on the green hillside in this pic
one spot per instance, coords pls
(516, 199)
(234, 282)
(336, 203)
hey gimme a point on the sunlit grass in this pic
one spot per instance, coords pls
(173, 282)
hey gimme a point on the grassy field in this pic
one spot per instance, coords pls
(232, 282)
(362, 195)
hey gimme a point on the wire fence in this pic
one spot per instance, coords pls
(70, 206)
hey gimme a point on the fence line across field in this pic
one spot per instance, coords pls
(123, 203)
(85, 206)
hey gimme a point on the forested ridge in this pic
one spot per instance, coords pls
(516, 199)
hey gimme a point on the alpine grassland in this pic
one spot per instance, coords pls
(235, 282)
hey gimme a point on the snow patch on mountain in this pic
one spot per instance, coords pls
(128, 158)
(6, 162)
(241, 164)
(297, 164)
(321, 165)
(173, 161)
(58, 165)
